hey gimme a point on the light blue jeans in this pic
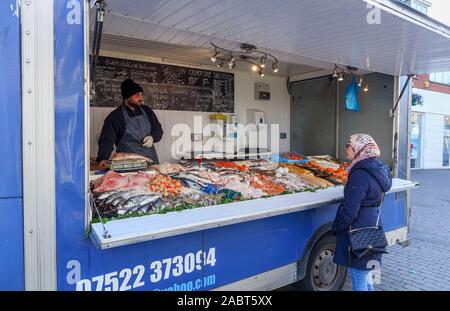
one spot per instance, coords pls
(361, 280)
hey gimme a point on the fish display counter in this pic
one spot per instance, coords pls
(171, 199)
(167, 187)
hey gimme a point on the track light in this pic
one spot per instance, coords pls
(263, 62)
(248, 54)
(231, 62)
(335, 73)
(360, 81)
(341, 77)
(366, 88)
(214, 58)
(275, 67)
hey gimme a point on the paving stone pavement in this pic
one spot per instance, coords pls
(425, 264)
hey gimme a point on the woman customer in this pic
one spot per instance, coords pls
(367, 181)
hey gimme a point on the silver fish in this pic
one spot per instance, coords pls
(116, 201)
(121, 211)
(150, 200)
(144, 203)
(106, 194)
(138, 200)
(193, 177)
(112, 197)
(135, 203)
(134, 193)
(119, 205)
(159, 205)
(141, 209)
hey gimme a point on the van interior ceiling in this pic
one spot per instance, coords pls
(299, 37)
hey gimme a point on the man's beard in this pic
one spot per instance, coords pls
(136, 104)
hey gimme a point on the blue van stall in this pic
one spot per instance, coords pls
(259, 244)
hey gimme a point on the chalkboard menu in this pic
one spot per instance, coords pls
(166, 87)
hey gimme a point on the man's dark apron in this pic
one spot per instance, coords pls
(136, 129)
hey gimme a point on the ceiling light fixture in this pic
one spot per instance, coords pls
(275, 67)
(263, 61)
(335, 75)
(248, 54)
(360, 81)
(214, 58)
(339, 73)
(231, 62)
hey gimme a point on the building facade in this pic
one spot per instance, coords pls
(430, 117)
(430, 121)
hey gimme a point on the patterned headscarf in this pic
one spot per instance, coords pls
(364, 146)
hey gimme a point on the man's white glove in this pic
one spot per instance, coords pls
(148, 142)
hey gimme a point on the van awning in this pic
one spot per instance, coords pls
(309, 32)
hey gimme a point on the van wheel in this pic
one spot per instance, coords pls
(322, 274)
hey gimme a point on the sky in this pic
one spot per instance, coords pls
(440, 10)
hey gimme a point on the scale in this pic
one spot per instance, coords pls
(127, 165)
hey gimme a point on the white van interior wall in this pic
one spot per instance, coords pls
(373, 116)
(314, 114)
(276, 110)
(313, 125)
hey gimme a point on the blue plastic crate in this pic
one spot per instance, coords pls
(280, 159)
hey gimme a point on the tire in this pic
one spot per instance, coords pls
(322, 274)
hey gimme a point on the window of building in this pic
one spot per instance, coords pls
(440, 77)
(416, 139)
(419, 7)
(445, 159)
